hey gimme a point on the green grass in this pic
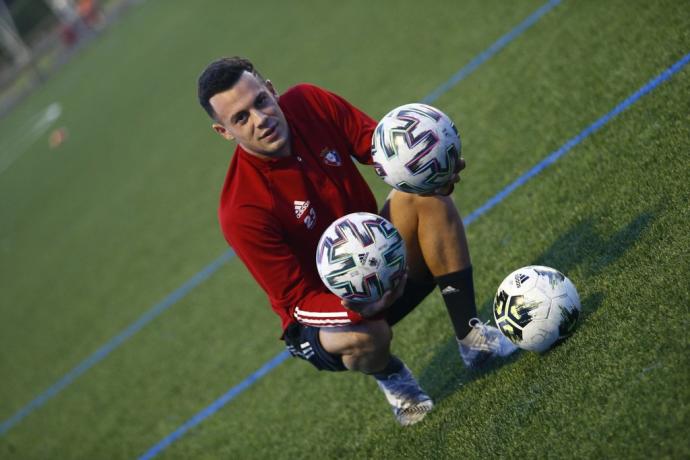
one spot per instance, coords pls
(95, 232)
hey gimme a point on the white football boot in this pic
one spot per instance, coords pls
(483, 342)
(409, 402)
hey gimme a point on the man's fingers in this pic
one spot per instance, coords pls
(386, 300)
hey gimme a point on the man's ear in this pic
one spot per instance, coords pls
(220, 129)
(270, 87)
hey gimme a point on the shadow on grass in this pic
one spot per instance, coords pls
(446, 374)
(581, 246)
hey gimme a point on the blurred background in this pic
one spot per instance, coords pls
(37, 37)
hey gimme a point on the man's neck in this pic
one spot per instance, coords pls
(283, 153)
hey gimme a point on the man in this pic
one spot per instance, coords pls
(292, 174)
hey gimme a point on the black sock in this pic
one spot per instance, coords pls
(413, 295)
(393, 366)
(457, 290)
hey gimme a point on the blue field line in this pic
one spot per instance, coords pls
(488, 53)
(565, 148)
(215, 405)
(116, 341)
(216, 264)
(490, 203)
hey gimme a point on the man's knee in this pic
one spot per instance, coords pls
(366, 343)
(366, 337)
(419, 204)
(433, 232)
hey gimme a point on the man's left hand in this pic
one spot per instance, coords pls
(450, 186)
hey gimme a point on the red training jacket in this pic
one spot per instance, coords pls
(273, 212)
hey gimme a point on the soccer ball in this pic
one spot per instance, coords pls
(415, 148)
(360, 256)
(535, 306)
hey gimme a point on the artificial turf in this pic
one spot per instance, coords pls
(95, 232)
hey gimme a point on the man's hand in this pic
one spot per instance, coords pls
(370, 309)
(450, 186)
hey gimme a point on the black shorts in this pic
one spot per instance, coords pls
(303, 341)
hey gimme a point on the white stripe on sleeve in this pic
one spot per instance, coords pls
(320, 314)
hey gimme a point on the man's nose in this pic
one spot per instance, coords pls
(260, 118)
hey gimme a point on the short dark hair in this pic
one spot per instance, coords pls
(219, 76)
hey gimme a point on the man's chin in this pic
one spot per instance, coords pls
(275, 149)
(277, 146)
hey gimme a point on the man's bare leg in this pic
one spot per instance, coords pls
(433, 232)
(364, 347)
(437, 249)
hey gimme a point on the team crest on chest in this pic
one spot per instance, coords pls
(331, 157)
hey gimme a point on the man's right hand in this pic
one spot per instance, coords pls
(367, 310)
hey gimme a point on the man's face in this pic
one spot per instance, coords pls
(249, 113)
